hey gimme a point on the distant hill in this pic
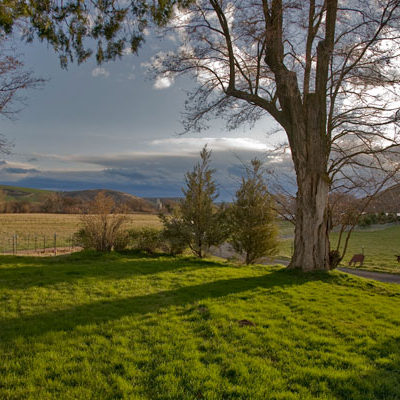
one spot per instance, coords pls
(20, 199)
(388, 201)
(14, 193)
(89, 195)
(134, 202)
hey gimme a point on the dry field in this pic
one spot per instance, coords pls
(38, 230)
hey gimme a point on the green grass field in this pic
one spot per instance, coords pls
(132, 327)
(380, 245)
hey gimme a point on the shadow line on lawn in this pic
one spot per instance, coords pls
(44, 273)
(104, 311)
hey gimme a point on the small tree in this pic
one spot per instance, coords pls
(196, 223)
(253, 228)
(102, 225)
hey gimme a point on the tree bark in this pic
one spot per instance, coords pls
(310, 157)
(311, 242)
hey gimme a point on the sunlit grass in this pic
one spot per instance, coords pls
(132, 327)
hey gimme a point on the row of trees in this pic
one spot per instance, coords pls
(197, 222)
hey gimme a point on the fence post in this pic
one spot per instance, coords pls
(44, 244)
(16, 244)
(55, 244)
(35, 243)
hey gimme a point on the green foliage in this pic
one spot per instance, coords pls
(73, 27)
(146, 239)
(252, 217)
(381, 218)
(175, 233)
(197, 222)
(117, 326)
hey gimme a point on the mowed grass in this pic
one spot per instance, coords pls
(380, 247)
(90, 326)
(379, 243)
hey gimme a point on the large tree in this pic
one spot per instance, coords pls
(325, 71)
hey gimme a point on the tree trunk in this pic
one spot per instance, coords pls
(310, 156)
(311, 242)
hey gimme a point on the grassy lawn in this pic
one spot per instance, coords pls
(380, 247)
(379, 243)
(134, 327)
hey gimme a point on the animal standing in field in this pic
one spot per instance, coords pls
(357, 258)
(398, 258)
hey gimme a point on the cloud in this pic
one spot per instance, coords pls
(126, 173)
(100, 71)
(20, 170)
(215, 144)
(158, 173)
(163, 82)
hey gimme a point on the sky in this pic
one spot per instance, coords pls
(110, 126)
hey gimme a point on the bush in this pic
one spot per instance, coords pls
(146, 239)
(102, 226)
(174, 234)
(121, 241)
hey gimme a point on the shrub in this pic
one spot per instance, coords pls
(174, 233)
(102, 226)
(146, 239)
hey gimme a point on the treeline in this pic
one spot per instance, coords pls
(56, 203)
(196, 223)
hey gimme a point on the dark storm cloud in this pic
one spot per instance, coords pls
(20, 170)
(126, 173)
(149, 175)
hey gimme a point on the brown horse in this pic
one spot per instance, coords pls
(357, 258)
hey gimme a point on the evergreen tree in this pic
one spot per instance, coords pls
(253, 228)
(197, 222)
(197, 208)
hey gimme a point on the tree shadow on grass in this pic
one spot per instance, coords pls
(46, 272)
(104, 311)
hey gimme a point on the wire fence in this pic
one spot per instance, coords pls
(37, 244)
